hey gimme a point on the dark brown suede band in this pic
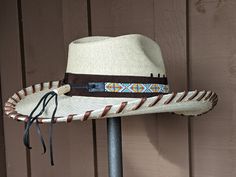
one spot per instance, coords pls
(82, 80)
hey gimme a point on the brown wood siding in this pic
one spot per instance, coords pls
(212, 66)
(2, 141)
(11, 81)
(197, 39)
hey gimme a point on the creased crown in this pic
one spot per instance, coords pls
(131, 55)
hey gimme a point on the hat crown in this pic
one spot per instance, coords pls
(128, 55)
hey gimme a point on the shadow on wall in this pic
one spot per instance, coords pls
(171, 142)
(162, 146)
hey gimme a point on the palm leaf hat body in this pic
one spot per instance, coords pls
(107, 77)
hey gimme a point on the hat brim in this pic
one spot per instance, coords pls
(191, 103)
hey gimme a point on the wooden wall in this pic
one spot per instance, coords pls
(197, 38)
(213, 66)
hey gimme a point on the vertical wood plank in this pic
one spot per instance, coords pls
(2, 141)
(151, 146)
(170, 33)
(49, 26)
(11, 81)
(213, 63)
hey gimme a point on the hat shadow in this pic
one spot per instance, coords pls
(159, 140)
(171, 140)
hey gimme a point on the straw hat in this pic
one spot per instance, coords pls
(110, 77)
(105, 77)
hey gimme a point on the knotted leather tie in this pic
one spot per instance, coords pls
(44, 101)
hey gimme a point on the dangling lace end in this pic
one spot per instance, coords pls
(41, 138)
(26, 140)
(51, 128)
(44, 101)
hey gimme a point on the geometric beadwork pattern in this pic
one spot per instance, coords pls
(135, 88)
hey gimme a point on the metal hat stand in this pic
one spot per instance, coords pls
(114, 139)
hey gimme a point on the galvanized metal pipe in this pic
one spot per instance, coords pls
(114, 147)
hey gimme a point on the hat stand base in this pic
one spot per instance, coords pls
(114, 140)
